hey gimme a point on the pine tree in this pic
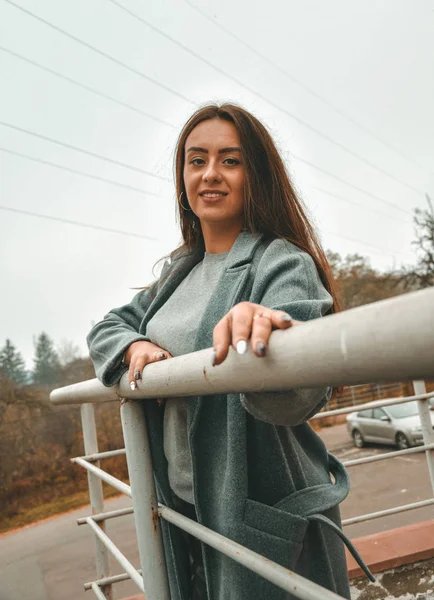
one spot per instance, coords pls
(47, 366)
(12, 363)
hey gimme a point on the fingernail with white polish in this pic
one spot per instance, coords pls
(242, 347)
(133, 385)
(213, 357)
(286, 318)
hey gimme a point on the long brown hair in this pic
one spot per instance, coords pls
(271, 203)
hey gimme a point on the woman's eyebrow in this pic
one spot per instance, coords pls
(230, 149)
(222, 151)
(197, 149)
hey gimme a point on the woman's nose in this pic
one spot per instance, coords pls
(211, 173)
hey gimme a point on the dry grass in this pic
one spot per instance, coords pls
(32, 514)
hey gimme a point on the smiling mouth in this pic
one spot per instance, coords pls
(209, 195)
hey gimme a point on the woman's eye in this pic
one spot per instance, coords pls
(232, 161)
(197, 161)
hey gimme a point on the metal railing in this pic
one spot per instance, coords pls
(371, 343)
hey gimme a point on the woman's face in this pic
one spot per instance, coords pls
(214, 173)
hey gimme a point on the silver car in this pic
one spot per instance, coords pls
(398, 424)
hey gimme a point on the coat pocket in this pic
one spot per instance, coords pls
(274, 521)
(273, 533)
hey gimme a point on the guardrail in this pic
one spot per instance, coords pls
(370, 343)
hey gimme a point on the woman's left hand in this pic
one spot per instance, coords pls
(247, 321)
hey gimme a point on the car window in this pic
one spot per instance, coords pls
(365, 414)
(378, 413)
(401, 411)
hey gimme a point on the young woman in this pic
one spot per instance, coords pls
(245, 465)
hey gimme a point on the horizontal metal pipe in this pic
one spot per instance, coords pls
(113, 481)
(367, 343)
(97, 591)
(284, 578)
(117, 554)
(107, 515)
(108, 580)
(388, 511)
(87, 391)
(99, 455)
(386, 455)
(373, 404)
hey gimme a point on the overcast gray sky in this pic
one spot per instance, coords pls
(347, 89)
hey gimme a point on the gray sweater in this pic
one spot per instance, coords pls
(174, 328)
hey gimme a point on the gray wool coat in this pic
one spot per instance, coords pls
(264, 485)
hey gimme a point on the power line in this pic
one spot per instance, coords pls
(355, 187)
(305, 87)
(382, 248)
(101, 52)
(264, 98)
(86, 87)
(140, 236)
(351, 201)
(77, 223)
(81, 173)
(312, 165)
(82, 150)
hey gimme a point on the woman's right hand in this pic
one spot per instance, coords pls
(138, 355)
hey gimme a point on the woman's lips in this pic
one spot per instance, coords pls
(212, 196)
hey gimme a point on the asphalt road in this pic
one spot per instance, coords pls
(380, 485)
(51, 560)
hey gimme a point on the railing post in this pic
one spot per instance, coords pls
(96, 493)
(144, 500)
(427, 428)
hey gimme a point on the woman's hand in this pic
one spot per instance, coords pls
(247, 321)
(138, 355)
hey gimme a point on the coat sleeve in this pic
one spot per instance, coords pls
(287, 279)
(109, 339)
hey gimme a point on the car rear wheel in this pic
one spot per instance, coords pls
(402, 441)
(358, 440)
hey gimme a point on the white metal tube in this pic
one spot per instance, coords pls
(388, 511)
(97, 591)
(95, 492)
(112, 579)
(117, 554)
(367, 343)
(99, 455)
(284, 578)
(113, 481)
(88, 391)
(373, 404)
(427, 428)
(107, 515)
(386, 455)
(152, 560)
